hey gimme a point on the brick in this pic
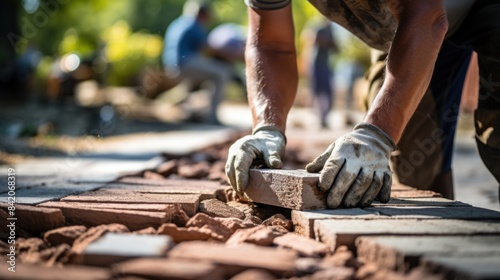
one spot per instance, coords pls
(259, 235)
(216, 227)
(207, 189)
(424, 202)
(166, 269)
(188, 202)
(134, 220)
(236, 259)
(35, 272)
(235, 224)
(303, 221)
(304, 246)
(90, 236)
(194, 171)
(334, 273)
(476, 268)
(152, 175)
(55, 191)
(148, 230)
(402, 253)
(64, 235)
(293, 189)
(167, 168)
(343, 232)
(465, 213)
(36, 219)
(217, 208)
(169, 208)
(401, 187)
(116, 247)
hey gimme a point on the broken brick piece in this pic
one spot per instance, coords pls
(236, 259)
(153, 207)
(37, 272)
(180, 234)
(304, 246)
(218, 230)
(252, 274)
(64, 235)
(259, 235)
(293, 189)
(36, 219)
(279, 220)
(158, 268)
(194, 171)
(167, 168)
(235, 224)
(217, 208)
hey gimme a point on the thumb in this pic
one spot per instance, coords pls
(317, 164)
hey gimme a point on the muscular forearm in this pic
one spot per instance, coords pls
(421, 30)
(271, 67)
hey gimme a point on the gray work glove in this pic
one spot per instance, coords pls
(265, 146)
(355, 168)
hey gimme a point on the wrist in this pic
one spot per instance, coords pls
(270, 128)
(377, 131)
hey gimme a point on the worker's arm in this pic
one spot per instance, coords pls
(271, 84)
(414, 50)
(355, 168)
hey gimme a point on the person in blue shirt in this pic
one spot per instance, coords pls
(184, 53)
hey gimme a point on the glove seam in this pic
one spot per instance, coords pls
(269, 128)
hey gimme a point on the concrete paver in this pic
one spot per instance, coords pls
(293, 189)
(465, 267)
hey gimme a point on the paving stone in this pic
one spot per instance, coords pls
(64, 235)
(484, 268)
(293, 189)
(117, 247)
(259, 235)
(304, 246)
(303, 221)
(207, 189)
(167, 269)
(39, 194)
(425, 202)
(217, 208)
(90, 236)
(168, 208)
(402, 253)
(36, 272)
(36, 219)
(236, 259)
(279, 220)
(188, 202)
(466, 213)
(343, 232)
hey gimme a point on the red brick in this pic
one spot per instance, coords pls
(236, 259)
(217, 208)
(167, 269)
(253, 274)
(167, 168)
(293, 189)
(152, 175)
(180, 234)
(36, 219)
(304, 246)
(64, 235)
(235, 224)
(188, 202)
(414, 194)
(169, 208)
(194, 171)
(207, 223)
(279, 220)
(35, 272)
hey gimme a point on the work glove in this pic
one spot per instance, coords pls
(265, 146)
(355, 168)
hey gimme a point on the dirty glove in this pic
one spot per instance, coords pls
(355, 168)
(265, 146)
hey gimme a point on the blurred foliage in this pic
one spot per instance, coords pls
(126, 33)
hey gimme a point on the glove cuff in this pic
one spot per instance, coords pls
(269, 128)
(378, 131)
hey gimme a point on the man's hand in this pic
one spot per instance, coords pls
(355, 168)
(265, 146)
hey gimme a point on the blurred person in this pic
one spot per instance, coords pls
(185, 49)
(426, 47)
(320, 70)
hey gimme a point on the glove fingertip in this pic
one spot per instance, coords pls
(385, 192)
(275, 162)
